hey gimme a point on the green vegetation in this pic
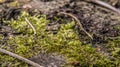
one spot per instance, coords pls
(65, 42)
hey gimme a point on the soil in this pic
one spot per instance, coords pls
(47, 60)
(96, 20)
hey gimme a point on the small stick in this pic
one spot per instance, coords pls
(78, 22)
(20, 58)
(30, 25)
(106, 5)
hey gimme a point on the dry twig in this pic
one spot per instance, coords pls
(30, 25)
(20, 58)
(106, 5)
(78, 22)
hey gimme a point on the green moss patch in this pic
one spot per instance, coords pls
(65, 42)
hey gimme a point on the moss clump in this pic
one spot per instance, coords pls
(65, 42)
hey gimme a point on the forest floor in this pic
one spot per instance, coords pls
(59, 38)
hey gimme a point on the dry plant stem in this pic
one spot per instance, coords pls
(106, 5)
(78, 22)
(30, 25)
(20, 58)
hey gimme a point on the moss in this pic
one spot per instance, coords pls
(14, 4)
(65, 42)
(1, 38)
